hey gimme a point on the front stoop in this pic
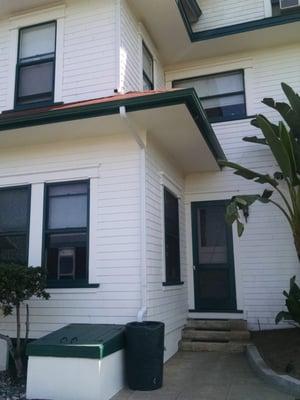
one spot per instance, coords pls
(226, 336)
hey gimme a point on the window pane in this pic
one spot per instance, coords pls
(147, 63)
(67, 212)
(147, 85)
(37, 40)
(225, 107)
(68, 189)
(214, 284)
(172, 258)
(66, 256)
(172, 242)
(36, 79)
(212, 246)
(14, 210)
(13, 249)
(213, 85)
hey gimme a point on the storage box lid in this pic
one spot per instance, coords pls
(79, 341)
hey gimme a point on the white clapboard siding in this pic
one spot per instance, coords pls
(130, 51)
(89, 50)
(88, 53)
(4, 57)
(132, 34)
(218, 13)
(167, 304)
(117, 236)
(265, 255)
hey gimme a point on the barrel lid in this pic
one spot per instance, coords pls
(94, 341)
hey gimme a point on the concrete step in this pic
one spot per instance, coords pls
(222, 336)
(228, 347)
(217, 325)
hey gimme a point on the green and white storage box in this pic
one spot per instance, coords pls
(77, 362)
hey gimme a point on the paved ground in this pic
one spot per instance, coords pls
(208, 376)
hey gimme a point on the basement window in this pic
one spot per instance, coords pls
(36, 65)
(14, 224)
(172, 239)
(222, 95)
(66, 232)
(148, 69)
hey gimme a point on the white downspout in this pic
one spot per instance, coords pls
(134, 131)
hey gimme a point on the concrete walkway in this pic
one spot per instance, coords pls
(208, 376)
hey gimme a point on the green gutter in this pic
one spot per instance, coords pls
(237, 28)
(183, 96)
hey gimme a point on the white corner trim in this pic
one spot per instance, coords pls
(118, 22)
(37, 16)
(268, 8)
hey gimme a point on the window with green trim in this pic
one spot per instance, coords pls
(222, 95)
(66, 231)
(36, 65)
(172, 239)
(14, 224)
(148, 69)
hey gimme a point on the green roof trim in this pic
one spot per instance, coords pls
(140, 102)
(236, 28)
(94, 341)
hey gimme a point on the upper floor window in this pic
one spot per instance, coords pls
(14, 224)
(36, 64)
(148, 69)
(172, 240)
(66, 230)
(222, 95)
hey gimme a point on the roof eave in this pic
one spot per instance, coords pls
(156, 100)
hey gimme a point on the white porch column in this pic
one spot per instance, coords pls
(36, 225)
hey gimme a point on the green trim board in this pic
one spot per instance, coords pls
(68, 284)
(93, 341)
(236, 28)
(188, 97)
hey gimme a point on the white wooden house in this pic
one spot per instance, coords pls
(109, 171)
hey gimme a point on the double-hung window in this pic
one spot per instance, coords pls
(66, 232)
(36, 65)
(172, 240)
(14, 224)
(222, 95)
(148, 69)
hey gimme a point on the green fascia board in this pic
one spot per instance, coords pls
(94, 341)
(236, 28)
(156, 100)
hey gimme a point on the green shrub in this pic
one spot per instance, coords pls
(18, 283)
(292, 303)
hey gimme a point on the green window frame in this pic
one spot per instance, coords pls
(171, 239)
(230, 110)
(148, 73)
(14, 239)
(38, 64)
(63, 239)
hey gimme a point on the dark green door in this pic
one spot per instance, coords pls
(214, 281)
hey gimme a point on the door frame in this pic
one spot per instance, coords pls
(232, 307)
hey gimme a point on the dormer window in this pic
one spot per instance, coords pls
(36, 65)
(148, 69)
